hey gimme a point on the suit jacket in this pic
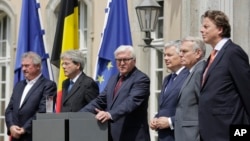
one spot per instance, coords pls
(34, 102)
(186, 116)
(83, 91)
(128, 109)
(224, 98)
(168, 102)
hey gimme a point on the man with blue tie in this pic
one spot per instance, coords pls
(163, 121)
(78, 89)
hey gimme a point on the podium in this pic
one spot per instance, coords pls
(79, 126)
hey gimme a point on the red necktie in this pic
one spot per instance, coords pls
(212, 56)
(118, 85)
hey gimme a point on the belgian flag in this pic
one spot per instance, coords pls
(66, 38)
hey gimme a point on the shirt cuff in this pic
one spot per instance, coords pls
(170, 124)
(110, 115)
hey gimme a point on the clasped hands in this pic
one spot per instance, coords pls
(102, 116)
(16, 131)
(159, 123)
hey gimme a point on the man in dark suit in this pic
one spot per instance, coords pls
(192, 54)
(79, 89)
(163, 121)
(28, 98)
(224, 98)
(124, 101)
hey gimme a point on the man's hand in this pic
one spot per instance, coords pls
(22, 131)
(152, 124)
(102, 115)
(15, 131)
(162, 123)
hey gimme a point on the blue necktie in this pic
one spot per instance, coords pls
(170, 82)
(71, 83)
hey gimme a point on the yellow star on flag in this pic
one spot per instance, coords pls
(100, 79)
(109, 65)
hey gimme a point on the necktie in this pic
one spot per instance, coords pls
(170, 82)
(212, 56)
(71, 83)
(118, 85)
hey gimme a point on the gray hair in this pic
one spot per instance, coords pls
(36, 59)
(198, 43)
(123, 48)
(76, 56)
(175, 43)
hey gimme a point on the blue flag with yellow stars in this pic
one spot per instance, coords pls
(31, 39)
(116, 32)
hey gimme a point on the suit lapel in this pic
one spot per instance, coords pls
(165, 82)
(186, 82)
(126, 81)
(32, 90)
(21, 90)
(74, 89)
(176, 83)
(110, 96)
(217, 59)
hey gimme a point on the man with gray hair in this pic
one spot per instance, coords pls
(163, 121)
(124, 101)
(28, 98)
(79, 89)
(192, 53)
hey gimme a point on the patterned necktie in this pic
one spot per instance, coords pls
(170, 82)
(118, 85)
(71, 83)
(212, 56)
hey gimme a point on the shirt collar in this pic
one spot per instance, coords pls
(77, 76)
(179, 70)
(192, 68)
(34, 80)
(220, 44)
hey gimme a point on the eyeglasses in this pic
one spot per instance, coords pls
(66, 63)
(125, 60)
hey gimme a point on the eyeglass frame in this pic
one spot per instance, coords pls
(125, 60)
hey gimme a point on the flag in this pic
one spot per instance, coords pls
(30, 38)
(66, 38)
(116, 32)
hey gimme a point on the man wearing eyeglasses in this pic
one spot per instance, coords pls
(78, 89)
(124, 101)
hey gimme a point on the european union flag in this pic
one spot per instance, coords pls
(30, 38)
(116, 33)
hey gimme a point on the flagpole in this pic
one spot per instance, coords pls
(102, 34)
(116, 12)
(45, 44)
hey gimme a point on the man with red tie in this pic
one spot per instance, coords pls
(124, 101)
(224, 98)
